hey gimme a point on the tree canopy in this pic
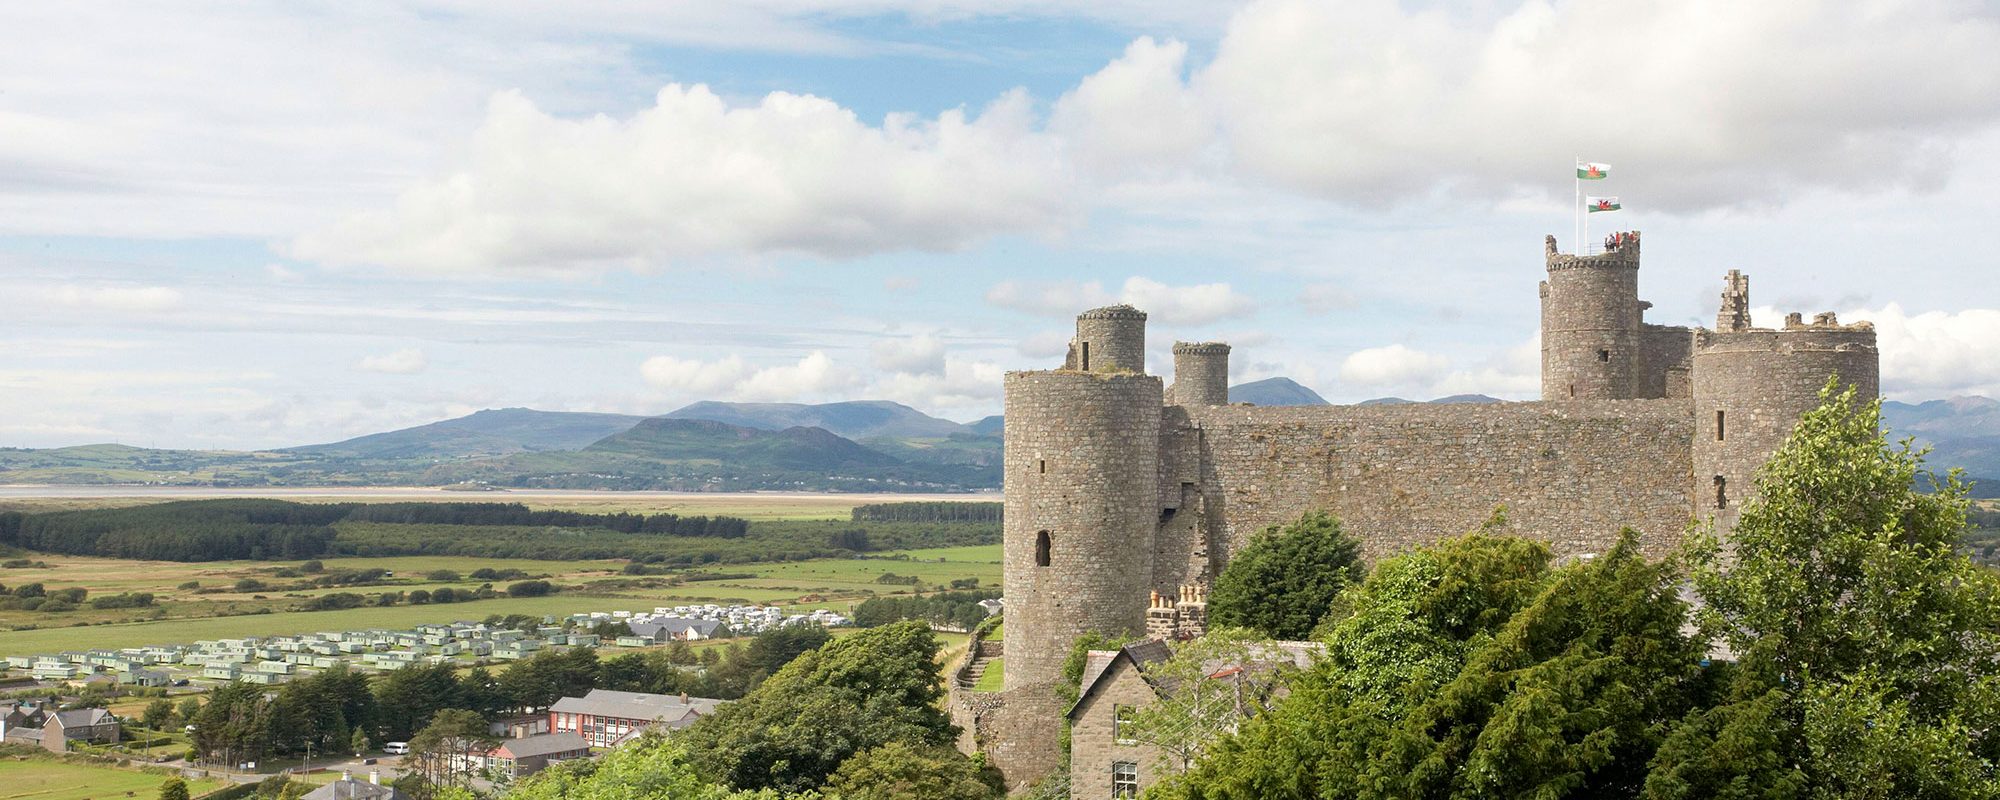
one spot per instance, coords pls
(1286, 578)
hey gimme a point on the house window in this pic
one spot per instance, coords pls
(1042, 549)
(1718, 426)
(1124, 779)
(1604, 356)
(1721, 492)
(1121, 725)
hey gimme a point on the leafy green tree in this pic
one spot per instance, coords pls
(771, 650)
(174, 788)
(358, 742)
(547, 676)
(897, 770)
(1472, 669)
(1869, 645)
(441, 748)
(1286, 578)
(879, 686)
(158, 714)
(652, 768)
(188, 708)
(1196, 703)
(405, 699)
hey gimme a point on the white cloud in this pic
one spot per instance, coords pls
(693, 177)
(1393, 365)
(1045, 344)
(1321, 298)
(1185, 305)
(1935, 353)
(962, 384)
(731, 378)
(407, 361)
(1135, 114)
(922, 354)
(1697, 104)
(1174, 305)
(94, 297)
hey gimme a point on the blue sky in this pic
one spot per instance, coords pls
(262, 225)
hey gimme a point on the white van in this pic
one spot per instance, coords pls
(397, 748)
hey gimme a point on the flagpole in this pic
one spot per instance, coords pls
(1576, 208)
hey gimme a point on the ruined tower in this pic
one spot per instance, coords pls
(1082, 488)
(1751, 385)
(1591, 320)
(1109, 339)
(1201, 374)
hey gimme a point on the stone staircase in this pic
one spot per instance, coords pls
(983, 654)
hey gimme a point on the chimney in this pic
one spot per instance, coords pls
(684, 698)
(346, 775)
(375, 777)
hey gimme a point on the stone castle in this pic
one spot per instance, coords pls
(1125, 496)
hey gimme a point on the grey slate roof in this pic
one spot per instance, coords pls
(542, 744)
(662, 708)
(350, 789)
(85, 717)
(704, 627)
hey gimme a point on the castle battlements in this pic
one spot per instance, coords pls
(1125, 498)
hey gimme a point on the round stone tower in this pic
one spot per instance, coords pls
(1110, 339)
(1201, 374)
(1751, 385)
(1591, 324)
(1082, 499)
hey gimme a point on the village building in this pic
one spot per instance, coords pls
(605, 718)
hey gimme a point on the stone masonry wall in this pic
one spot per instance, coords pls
(1093, 741)
(1754, 385)
(1664, 353)
(1570, 473)
(1590, 325)
(1082, 479)
(1111, 339)
(1201, 374)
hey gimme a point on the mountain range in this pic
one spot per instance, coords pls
(717, 446)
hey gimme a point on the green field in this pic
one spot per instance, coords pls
(48, 779)
(828, 583)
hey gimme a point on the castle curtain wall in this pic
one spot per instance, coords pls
(1398, 476)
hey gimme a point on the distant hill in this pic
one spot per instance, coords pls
(491, 432)
(1275, 392)
(706, 455)
(1456, 398)
(1963, 431)
(988, 426)
(856, 419)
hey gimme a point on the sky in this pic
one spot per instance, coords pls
(250, 225)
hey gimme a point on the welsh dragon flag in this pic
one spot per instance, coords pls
(1592, 171)
(1596, 204)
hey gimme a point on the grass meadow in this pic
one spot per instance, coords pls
(48, 779)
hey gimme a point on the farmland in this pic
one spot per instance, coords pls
(46, 778)
(595, 587)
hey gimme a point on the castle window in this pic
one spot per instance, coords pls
(1718, 426)
(1122, 718)
(1086, 356)
(1721, 492)
(1042, 547)
(1042, 466)
(1124, 779)
(1604, 355)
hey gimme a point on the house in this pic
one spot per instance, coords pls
(55, 730)
(530, 754)
(1107, 757)
(347, 788)
(604, 717)
(661, 631)
(519, 727)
